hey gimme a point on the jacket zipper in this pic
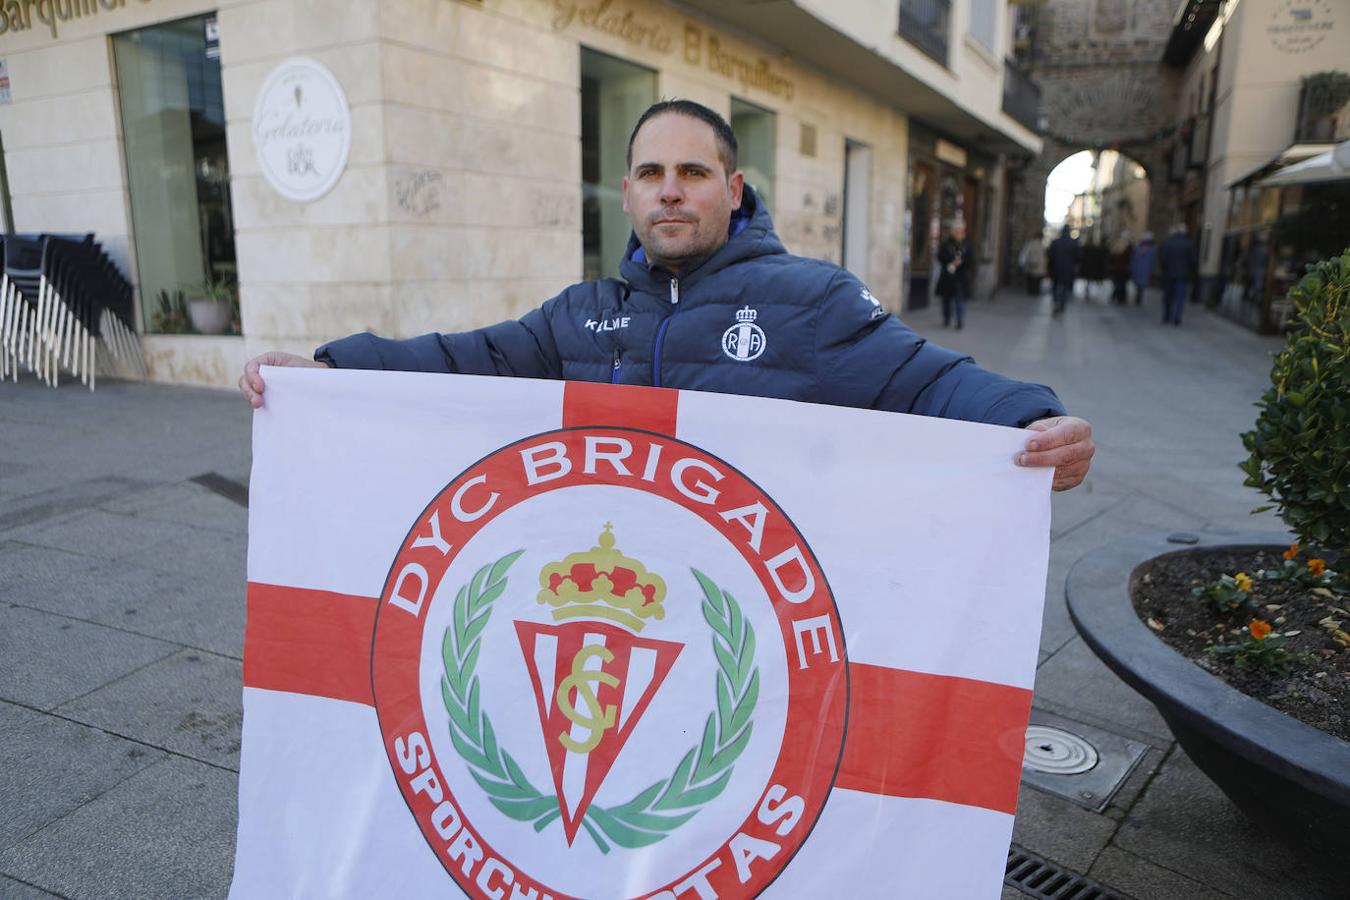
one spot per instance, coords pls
(661, 332)
(616, 371)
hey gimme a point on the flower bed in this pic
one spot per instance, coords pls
(1283, 640)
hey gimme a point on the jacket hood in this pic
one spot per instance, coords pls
(749, 234)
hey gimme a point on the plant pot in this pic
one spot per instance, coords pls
(208, 316)
(1286, 775)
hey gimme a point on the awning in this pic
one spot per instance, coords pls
(1333, 165)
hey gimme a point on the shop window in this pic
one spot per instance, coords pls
(924, 23)
(178, 172)
(756, 139)
(983, 26)
(614, 93)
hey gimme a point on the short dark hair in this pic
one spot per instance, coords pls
(726, 138)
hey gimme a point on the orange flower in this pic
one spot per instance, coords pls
(1243, 581)
(1317, 567)
(1292, 551)
(1259, 629)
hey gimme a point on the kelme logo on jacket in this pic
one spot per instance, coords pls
(669, 702)
(745, 340)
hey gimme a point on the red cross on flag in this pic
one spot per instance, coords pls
(514, 638)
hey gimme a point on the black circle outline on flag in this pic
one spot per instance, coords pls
(397, 691)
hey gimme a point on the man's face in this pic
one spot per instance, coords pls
(677, 193)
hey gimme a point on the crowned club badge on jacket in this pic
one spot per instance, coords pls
(523, 638)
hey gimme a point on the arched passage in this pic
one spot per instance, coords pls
(1102, 195)
(1153, 208)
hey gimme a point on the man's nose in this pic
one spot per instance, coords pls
(671, 192)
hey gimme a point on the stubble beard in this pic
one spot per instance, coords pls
(674, 251)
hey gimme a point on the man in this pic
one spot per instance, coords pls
(703, 262)
(1061, 259)
(1177, 260)
(953, 285)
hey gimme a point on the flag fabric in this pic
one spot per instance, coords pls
(513, 638)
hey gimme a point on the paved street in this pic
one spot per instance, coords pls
(122, 555)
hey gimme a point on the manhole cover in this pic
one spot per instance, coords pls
(1057, 752)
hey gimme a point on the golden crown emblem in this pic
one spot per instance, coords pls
(602, 583)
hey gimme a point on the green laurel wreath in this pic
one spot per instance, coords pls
(701, 775)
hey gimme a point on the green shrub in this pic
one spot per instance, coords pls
(1300, 447)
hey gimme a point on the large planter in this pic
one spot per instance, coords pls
(1287, 775)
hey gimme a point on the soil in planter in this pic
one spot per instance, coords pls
(1315, 691)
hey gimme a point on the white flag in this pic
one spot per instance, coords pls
(537, 639)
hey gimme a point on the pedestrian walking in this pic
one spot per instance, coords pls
(1061, 260)
(1093, 267)
(1142, 264)
(1118, 264)
(954, 282)
(1031, 260)
(1177, 260)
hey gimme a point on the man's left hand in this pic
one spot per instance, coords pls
(1064, 442)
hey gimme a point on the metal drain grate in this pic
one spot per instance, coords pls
(1037, 876)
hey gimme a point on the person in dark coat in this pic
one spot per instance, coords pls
(1142, 265)
(954, 258)
(1062, 259)
(1178, 261)
(710, 300)
(1119, 264)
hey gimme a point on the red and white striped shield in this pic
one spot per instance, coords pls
(521, 638)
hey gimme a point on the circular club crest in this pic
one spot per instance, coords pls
(607, 665)
(302, 130)
(745, 340)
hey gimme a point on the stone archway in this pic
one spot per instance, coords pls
(1103, 86)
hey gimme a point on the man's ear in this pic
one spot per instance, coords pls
(625, 193)
(737, 184)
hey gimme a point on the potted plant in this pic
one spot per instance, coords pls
(211, 306)
(1242, 643)
(171, 313)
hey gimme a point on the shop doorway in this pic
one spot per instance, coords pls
(178, 171)
(921, 241)
(857, 207)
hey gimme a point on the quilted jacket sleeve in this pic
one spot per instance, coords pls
(870, 359)
(524, 348)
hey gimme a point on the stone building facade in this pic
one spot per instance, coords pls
(479, 176)
(1103, 86)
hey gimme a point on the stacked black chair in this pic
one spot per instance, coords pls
(64, 305)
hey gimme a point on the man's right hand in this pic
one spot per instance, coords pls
(251, 383)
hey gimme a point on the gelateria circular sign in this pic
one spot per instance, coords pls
(302, 130)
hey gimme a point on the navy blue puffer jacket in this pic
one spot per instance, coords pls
(749, 319)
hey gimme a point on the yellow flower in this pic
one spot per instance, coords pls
(1292, 551)
(1317, 567)
(1259, 629)
(1243, 581)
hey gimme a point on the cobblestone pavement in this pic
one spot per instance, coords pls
(122, 554)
